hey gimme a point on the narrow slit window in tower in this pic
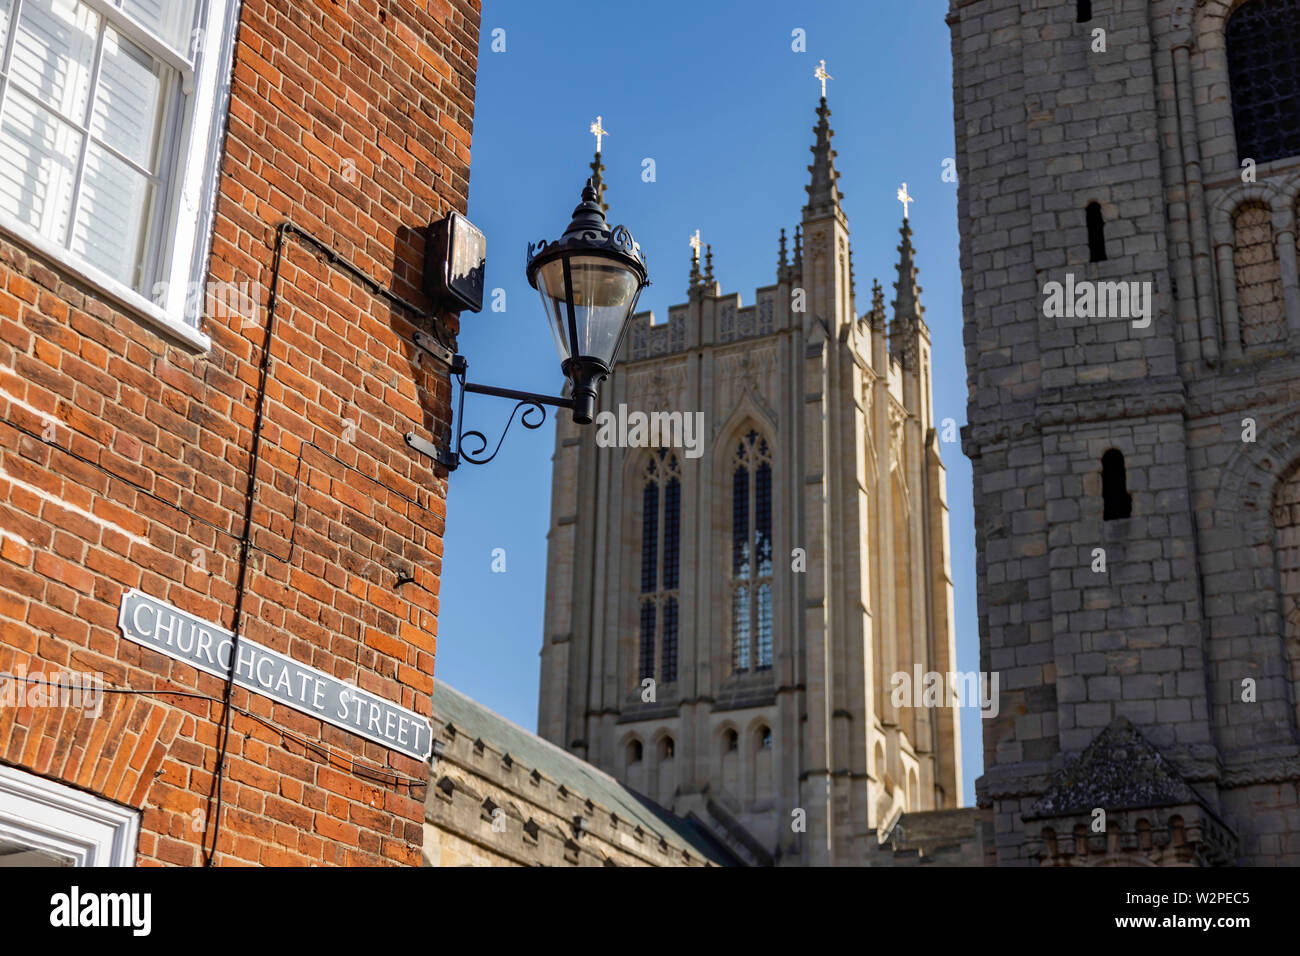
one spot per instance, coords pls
(1096, 233)
(1116, 501)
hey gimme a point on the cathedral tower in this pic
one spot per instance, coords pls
(1129, 173)
(725, 616)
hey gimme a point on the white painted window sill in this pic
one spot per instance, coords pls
(173, 328)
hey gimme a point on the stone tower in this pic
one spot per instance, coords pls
(723, 620)
(1129, 173)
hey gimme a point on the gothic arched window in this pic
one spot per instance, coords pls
(661, 512)
(761, 786)
(1263, 45)
(731, 762)
(666, 775)
(751, 555)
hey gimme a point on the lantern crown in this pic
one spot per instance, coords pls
(589, 231)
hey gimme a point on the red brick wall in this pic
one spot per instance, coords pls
(389, 86)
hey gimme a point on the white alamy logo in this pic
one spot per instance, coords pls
(624, 429)
(953, 689)
(224, 301)
(74, 909)
(83, 691)
(1099, 300)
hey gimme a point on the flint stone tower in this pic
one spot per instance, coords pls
(771, 586)
(1137, 491)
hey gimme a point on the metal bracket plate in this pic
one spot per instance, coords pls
(431, 345)
(449, 460)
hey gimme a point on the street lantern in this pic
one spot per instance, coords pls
(590, 279)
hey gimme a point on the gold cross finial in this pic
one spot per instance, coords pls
(695, 245)
(599, 131)
(821, 74)
(904, 198)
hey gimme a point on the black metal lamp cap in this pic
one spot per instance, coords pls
(587, 216)
(589, 231)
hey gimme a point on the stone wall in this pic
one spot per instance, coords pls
(1160, 616)
(499, 796)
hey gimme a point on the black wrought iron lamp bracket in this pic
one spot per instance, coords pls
(450, 454)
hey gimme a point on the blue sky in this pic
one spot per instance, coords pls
(725, 108)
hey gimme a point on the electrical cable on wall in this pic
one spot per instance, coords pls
(286, 228)
(377, 776)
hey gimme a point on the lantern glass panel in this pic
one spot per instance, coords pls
(604, 294)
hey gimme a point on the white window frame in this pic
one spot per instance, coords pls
(177, 255)
(57, 819)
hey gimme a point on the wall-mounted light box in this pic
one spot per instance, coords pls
(455, 260)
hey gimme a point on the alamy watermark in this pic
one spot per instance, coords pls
(74, 909)
(223, 301)
(953, 689)
(1086, 299)
(83, 691)
(624, 429)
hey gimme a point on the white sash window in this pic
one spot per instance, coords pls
(43, 823)
(110, 116)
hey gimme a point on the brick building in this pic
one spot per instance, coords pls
(212, 221)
